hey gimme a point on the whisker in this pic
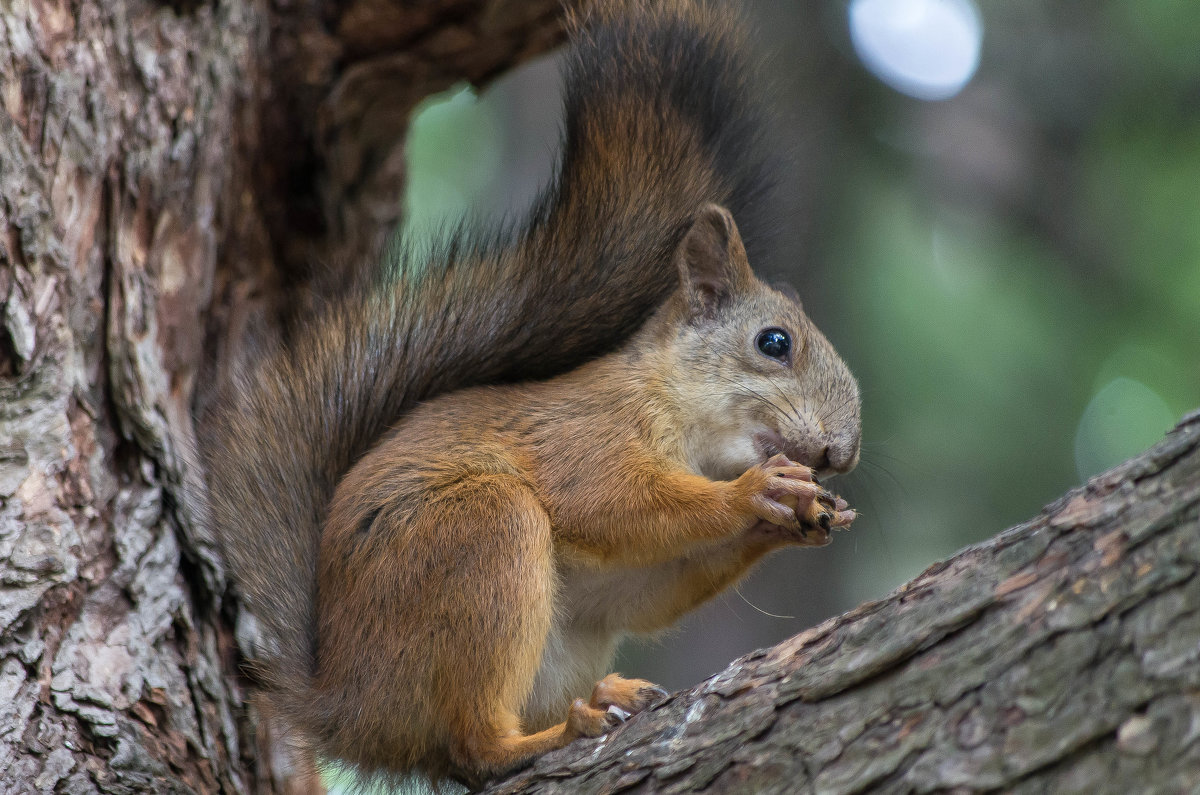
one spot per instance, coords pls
(795, 411)
(877, 467)
(747, 390)
(738, 590)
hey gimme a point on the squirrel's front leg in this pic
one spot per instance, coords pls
(656, 596)
(656, 513)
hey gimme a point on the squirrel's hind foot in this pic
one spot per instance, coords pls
(630, 696)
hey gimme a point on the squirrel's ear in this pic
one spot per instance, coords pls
(712, 261)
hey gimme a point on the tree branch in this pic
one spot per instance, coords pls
(1062, 655)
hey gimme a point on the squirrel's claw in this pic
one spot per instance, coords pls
(618, 713)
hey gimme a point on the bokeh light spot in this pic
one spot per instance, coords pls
(1124, 418)
(928, 49)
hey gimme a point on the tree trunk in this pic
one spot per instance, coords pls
(1061, 656)
(165, 167)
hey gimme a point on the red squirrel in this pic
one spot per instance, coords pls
(448, 497)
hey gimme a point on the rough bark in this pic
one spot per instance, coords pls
(1061, 656)
(163, 171)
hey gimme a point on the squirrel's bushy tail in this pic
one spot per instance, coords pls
(660, 120)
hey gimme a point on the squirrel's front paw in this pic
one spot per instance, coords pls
(767, 489)
(786, 496)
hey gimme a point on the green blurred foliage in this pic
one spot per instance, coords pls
(1020, 349)
(453, 159)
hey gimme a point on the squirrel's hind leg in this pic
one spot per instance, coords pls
(506, 580)
(490, 753)
(613, 700)
(506, 540)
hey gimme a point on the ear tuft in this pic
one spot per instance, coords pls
(712, 261)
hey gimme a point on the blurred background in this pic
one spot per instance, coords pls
(996, 220)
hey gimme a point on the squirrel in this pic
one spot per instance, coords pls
(447, 497)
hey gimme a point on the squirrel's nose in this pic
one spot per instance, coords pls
(821, 460)
(841, 458)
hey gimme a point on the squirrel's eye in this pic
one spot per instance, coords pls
(774, 342)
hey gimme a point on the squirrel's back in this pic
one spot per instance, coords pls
(660, 119)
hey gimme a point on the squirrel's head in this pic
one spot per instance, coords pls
(752, 374)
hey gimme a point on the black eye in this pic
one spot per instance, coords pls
(774, 342)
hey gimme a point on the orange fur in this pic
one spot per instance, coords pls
(479, 564)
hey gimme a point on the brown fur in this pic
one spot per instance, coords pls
(500, 520)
